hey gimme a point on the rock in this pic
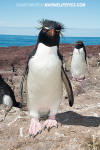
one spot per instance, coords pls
(92, 61)
(68, 64)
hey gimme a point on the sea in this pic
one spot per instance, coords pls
(23, 40)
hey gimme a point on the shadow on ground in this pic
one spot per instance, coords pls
(73, 118)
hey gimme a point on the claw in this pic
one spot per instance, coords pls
(48, 129)
(49, 123)
(35, 127)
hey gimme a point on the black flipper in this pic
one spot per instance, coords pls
(68, 87)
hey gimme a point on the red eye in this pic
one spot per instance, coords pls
(44, 30)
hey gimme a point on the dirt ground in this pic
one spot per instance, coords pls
(78, 127)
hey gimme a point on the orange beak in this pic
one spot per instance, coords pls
(51, 32)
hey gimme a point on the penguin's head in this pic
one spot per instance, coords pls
(79, 44)
(50, 32)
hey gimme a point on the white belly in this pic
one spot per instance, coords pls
(7, 100)
(78, 64)
(44, 81)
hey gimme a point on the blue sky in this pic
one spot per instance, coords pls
(21, 17)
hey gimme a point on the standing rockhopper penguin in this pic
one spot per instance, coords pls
(45, 74)
(78, 64)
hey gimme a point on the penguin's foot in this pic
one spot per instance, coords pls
(51, 122)
(35, 127)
